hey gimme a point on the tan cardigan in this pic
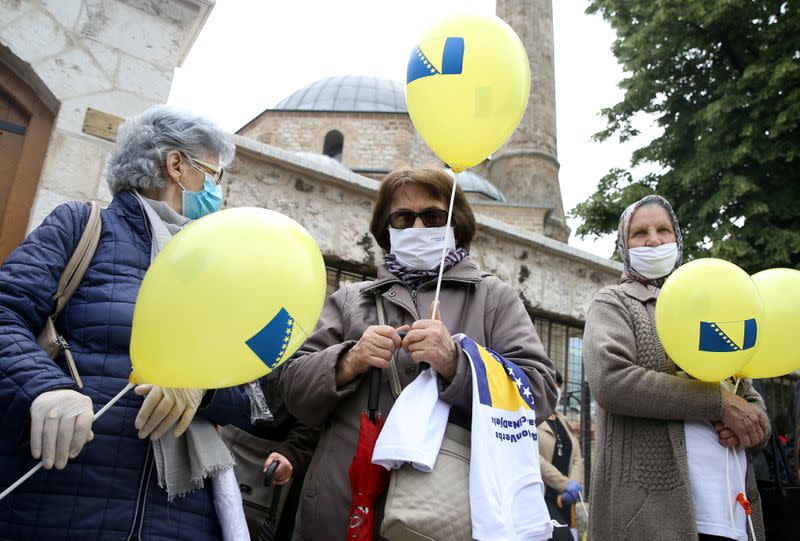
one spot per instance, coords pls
(547, 441)
(640, 482)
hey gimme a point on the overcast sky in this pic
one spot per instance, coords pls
(253, 53)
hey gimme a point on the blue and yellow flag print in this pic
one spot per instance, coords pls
(501, 384)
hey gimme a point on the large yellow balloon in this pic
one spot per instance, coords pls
(227, 300)
(708, 317)
(776, 354)
(467, 86)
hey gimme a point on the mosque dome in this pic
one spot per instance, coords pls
(348, 93)
(472, 182)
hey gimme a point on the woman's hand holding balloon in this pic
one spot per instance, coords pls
(164, 407)
(430, 342)
(375, 348)
(746, 421)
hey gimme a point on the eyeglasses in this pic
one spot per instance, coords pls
(214, 170)
(403, 219)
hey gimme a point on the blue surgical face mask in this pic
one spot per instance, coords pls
(198, 204)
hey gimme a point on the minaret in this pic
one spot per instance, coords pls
(526, 167)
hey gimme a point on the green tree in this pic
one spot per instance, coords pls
(722, 80)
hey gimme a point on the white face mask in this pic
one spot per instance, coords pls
(558, 397)
(420, 247)
(654, 261)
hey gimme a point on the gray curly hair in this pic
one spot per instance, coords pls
(144, 141)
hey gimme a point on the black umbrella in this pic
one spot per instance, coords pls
(267, 531)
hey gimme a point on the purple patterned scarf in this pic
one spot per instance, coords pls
(414, 277)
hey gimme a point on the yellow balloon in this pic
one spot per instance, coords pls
(227, 300)
(467, 86)
(776, 354)
(708, 318)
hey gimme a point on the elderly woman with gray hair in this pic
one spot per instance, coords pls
(660, 466)
(148, 471)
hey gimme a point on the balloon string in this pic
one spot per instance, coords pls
(744, 489)
(444, 251)
(583, 504)
(36, 468)
(728, 452)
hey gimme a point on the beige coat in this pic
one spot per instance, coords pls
(547, 441)
(494, 316)
(640, 484)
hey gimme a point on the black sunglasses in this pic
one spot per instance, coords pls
(403, 219)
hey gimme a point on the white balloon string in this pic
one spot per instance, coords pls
(36, 468)
(444, 250)
(580, 495)
(731, 503)
(744, 492)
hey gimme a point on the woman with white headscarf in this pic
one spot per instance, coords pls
(661, 437)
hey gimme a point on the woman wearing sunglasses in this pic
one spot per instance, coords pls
(325, 384)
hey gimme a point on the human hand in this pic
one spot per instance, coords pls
(744, 419)
(727, 437)
(430, 342)
(164, 407)
(571, 494)
(61, 424)
(375, 348)
(284, 470)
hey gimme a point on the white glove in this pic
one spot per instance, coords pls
(163, 407)
(61, 423)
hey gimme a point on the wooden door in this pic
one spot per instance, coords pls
(25, 125)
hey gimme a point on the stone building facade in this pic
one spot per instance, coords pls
(59, 59)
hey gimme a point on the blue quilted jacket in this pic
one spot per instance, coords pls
(110, 491)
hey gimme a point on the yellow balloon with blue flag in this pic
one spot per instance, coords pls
(708, 317)
(776, 354)
(227, 300)
(467, 87)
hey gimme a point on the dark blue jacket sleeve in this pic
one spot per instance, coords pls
(28, 280)
(228, 406)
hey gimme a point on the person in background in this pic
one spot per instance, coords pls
(127, 475)
(661, 437)
(562, 467)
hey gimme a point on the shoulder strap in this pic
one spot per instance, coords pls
(79, 262)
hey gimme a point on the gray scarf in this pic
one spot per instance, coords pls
(183, 463)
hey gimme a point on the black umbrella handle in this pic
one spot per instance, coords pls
(423, 365)
(374, 400)
(270, 473)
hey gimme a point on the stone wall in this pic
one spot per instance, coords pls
(525, 217)
(116, 56)
(335, 206)
(372, 141)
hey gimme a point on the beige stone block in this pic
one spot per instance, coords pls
(72, 74)
(46, 200)
(122, 104)
(556, 297)
(64, 11)
(10, 10)
(131, 30)
(243, 193)
(143, 78)
(106, 57)
(34, 36)
(74, 165)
